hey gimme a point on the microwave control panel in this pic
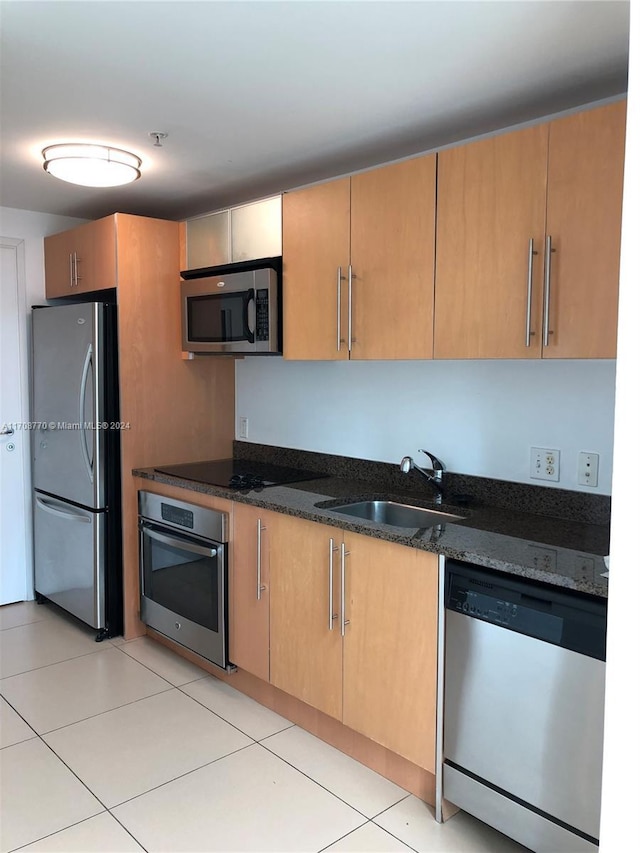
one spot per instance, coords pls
(262, 314)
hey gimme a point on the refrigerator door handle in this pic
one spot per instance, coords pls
(88, 361)
(53, 508)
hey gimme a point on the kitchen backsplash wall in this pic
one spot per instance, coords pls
(479, 417)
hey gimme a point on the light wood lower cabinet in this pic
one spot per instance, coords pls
(250, 589)
(306, 657)
(390, 646)
(380, 678)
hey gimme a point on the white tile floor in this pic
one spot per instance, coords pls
(125, 747)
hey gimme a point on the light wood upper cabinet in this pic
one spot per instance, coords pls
(315, 246)
(361, 248)
(584, 212)
(392, 257)
(250, 586)
(380, 679)
(491, 205)
(500, 201)
(81, 260)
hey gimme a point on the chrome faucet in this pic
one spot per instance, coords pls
(433, 474)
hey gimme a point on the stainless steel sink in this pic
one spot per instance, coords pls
(398, 515)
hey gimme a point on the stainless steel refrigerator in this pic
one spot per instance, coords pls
(76, 462)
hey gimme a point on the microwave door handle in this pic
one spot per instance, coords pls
(248, 333)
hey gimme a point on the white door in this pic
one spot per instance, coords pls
(14, 441)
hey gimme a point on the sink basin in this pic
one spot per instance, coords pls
(399, 515)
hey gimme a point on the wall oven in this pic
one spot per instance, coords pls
(184, 574)
(233, 309)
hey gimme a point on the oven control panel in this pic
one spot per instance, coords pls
(210, 524)
(177, 515)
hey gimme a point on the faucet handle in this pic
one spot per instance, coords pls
(438, 466)
(406, 464)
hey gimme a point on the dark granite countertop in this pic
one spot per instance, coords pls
(496, 537)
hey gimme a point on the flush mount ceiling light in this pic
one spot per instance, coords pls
(91, 165)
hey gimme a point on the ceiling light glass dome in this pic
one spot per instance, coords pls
(91, 165)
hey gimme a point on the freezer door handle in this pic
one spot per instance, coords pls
(88, 361)
(54, 508)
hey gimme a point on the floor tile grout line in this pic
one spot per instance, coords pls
(23, 624)
(128, 831)
(224, 719)
(70, 769)
(70, 826)
(15, 710)
(106, 711)
(254, 742)
(181, 776)
(279, 732)
(371, 820)
(52, 663)
(324, 787)
(18, 742)
(384, 828)
(147, 667)
(342, 837)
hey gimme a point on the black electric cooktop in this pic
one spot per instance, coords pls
(239, 473)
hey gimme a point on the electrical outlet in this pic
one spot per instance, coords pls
(244, 428)
(545, 559)
(545, 464)
(588, 468)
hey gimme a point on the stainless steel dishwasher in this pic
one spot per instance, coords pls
(524, 707)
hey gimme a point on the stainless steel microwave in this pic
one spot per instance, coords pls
(233, 309)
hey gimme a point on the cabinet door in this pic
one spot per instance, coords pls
(306, 655)
(97, 255)
(491, 203)
(208, 240)
(59, 271)
(392, 256)
(315, 245)
(249, 629)
(81, 260)
(584, 212)
(390, 646)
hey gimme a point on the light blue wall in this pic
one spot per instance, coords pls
(479, 417)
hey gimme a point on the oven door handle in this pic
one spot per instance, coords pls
(178, 542)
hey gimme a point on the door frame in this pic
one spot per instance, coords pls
(23, 362)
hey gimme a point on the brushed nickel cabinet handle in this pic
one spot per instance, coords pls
(260, 588)
(547, 292)
(71, 254)
(338, 320)
(343, 621)
(528, 333)
(332, 547)
(350, 308)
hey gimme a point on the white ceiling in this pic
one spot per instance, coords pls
(258, 97)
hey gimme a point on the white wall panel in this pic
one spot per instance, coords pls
(479, 417)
